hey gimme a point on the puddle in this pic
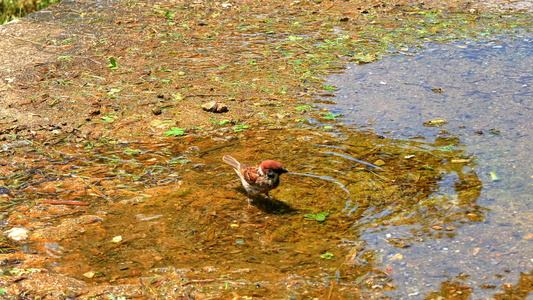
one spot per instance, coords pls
(484, 92)
(175, 208)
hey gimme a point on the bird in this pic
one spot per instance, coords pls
(258, 179)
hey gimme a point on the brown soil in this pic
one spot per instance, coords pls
(171, 58)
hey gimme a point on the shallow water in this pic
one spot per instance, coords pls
(484, 92)
(410, 212)
(173, 207)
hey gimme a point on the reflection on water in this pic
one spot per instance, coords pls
(484, 92)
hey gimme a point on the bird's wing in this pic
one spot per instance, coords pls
(250, 174)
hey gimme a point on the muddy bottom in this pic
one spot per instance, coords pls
(174, 209)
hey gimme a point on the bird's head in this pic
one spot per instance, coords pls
(268, 166)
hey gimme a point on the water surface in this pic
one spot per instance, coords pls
(484, 92)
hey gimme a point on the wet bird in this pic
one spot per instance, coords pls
(258, 179)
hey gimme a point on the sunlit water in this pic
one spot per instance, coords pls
(412, 212)
(485, 93)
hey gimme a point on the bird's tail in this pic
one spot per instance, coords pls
(231, 161)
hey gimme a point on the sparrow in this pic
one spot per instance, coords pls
(257, 180)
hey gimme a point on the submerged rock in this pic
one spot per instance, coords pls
(17, 234)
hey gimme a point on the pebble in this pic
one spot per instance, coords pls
(17, 234)
(156, 110)
(216, 107)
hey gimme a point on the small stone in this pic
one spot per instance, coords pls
(117, 239)
(305, 138)
(209, 269)
(94, 112)
(243, 270)
(89, 274)
(156, 110)
(216, 107)
(17, 234)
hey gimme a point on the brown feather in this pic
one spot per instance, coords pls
(231, 161)
(251, 174)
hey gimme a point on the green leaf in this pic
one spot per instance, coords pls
(97, 20)
(364, 58)
(304, 107)
(293, 38)
(112, 63)
(113, 91)
(494, 131)
(494, 177)
(179, 161)
(327, 255)
(240, 127)
(132, 151)
(446, 149)
(175, 131)
(329, 87)
(320, 217)
(170, 14)
(108, 119)
(330, 116)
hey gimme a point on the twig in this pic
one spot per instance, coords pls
(60, 202)
(24, 40)
(204, 281)
(202, 153)
(149, 286)
(95, 190)
(330, 293)
(207, 95)
(330, 7)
